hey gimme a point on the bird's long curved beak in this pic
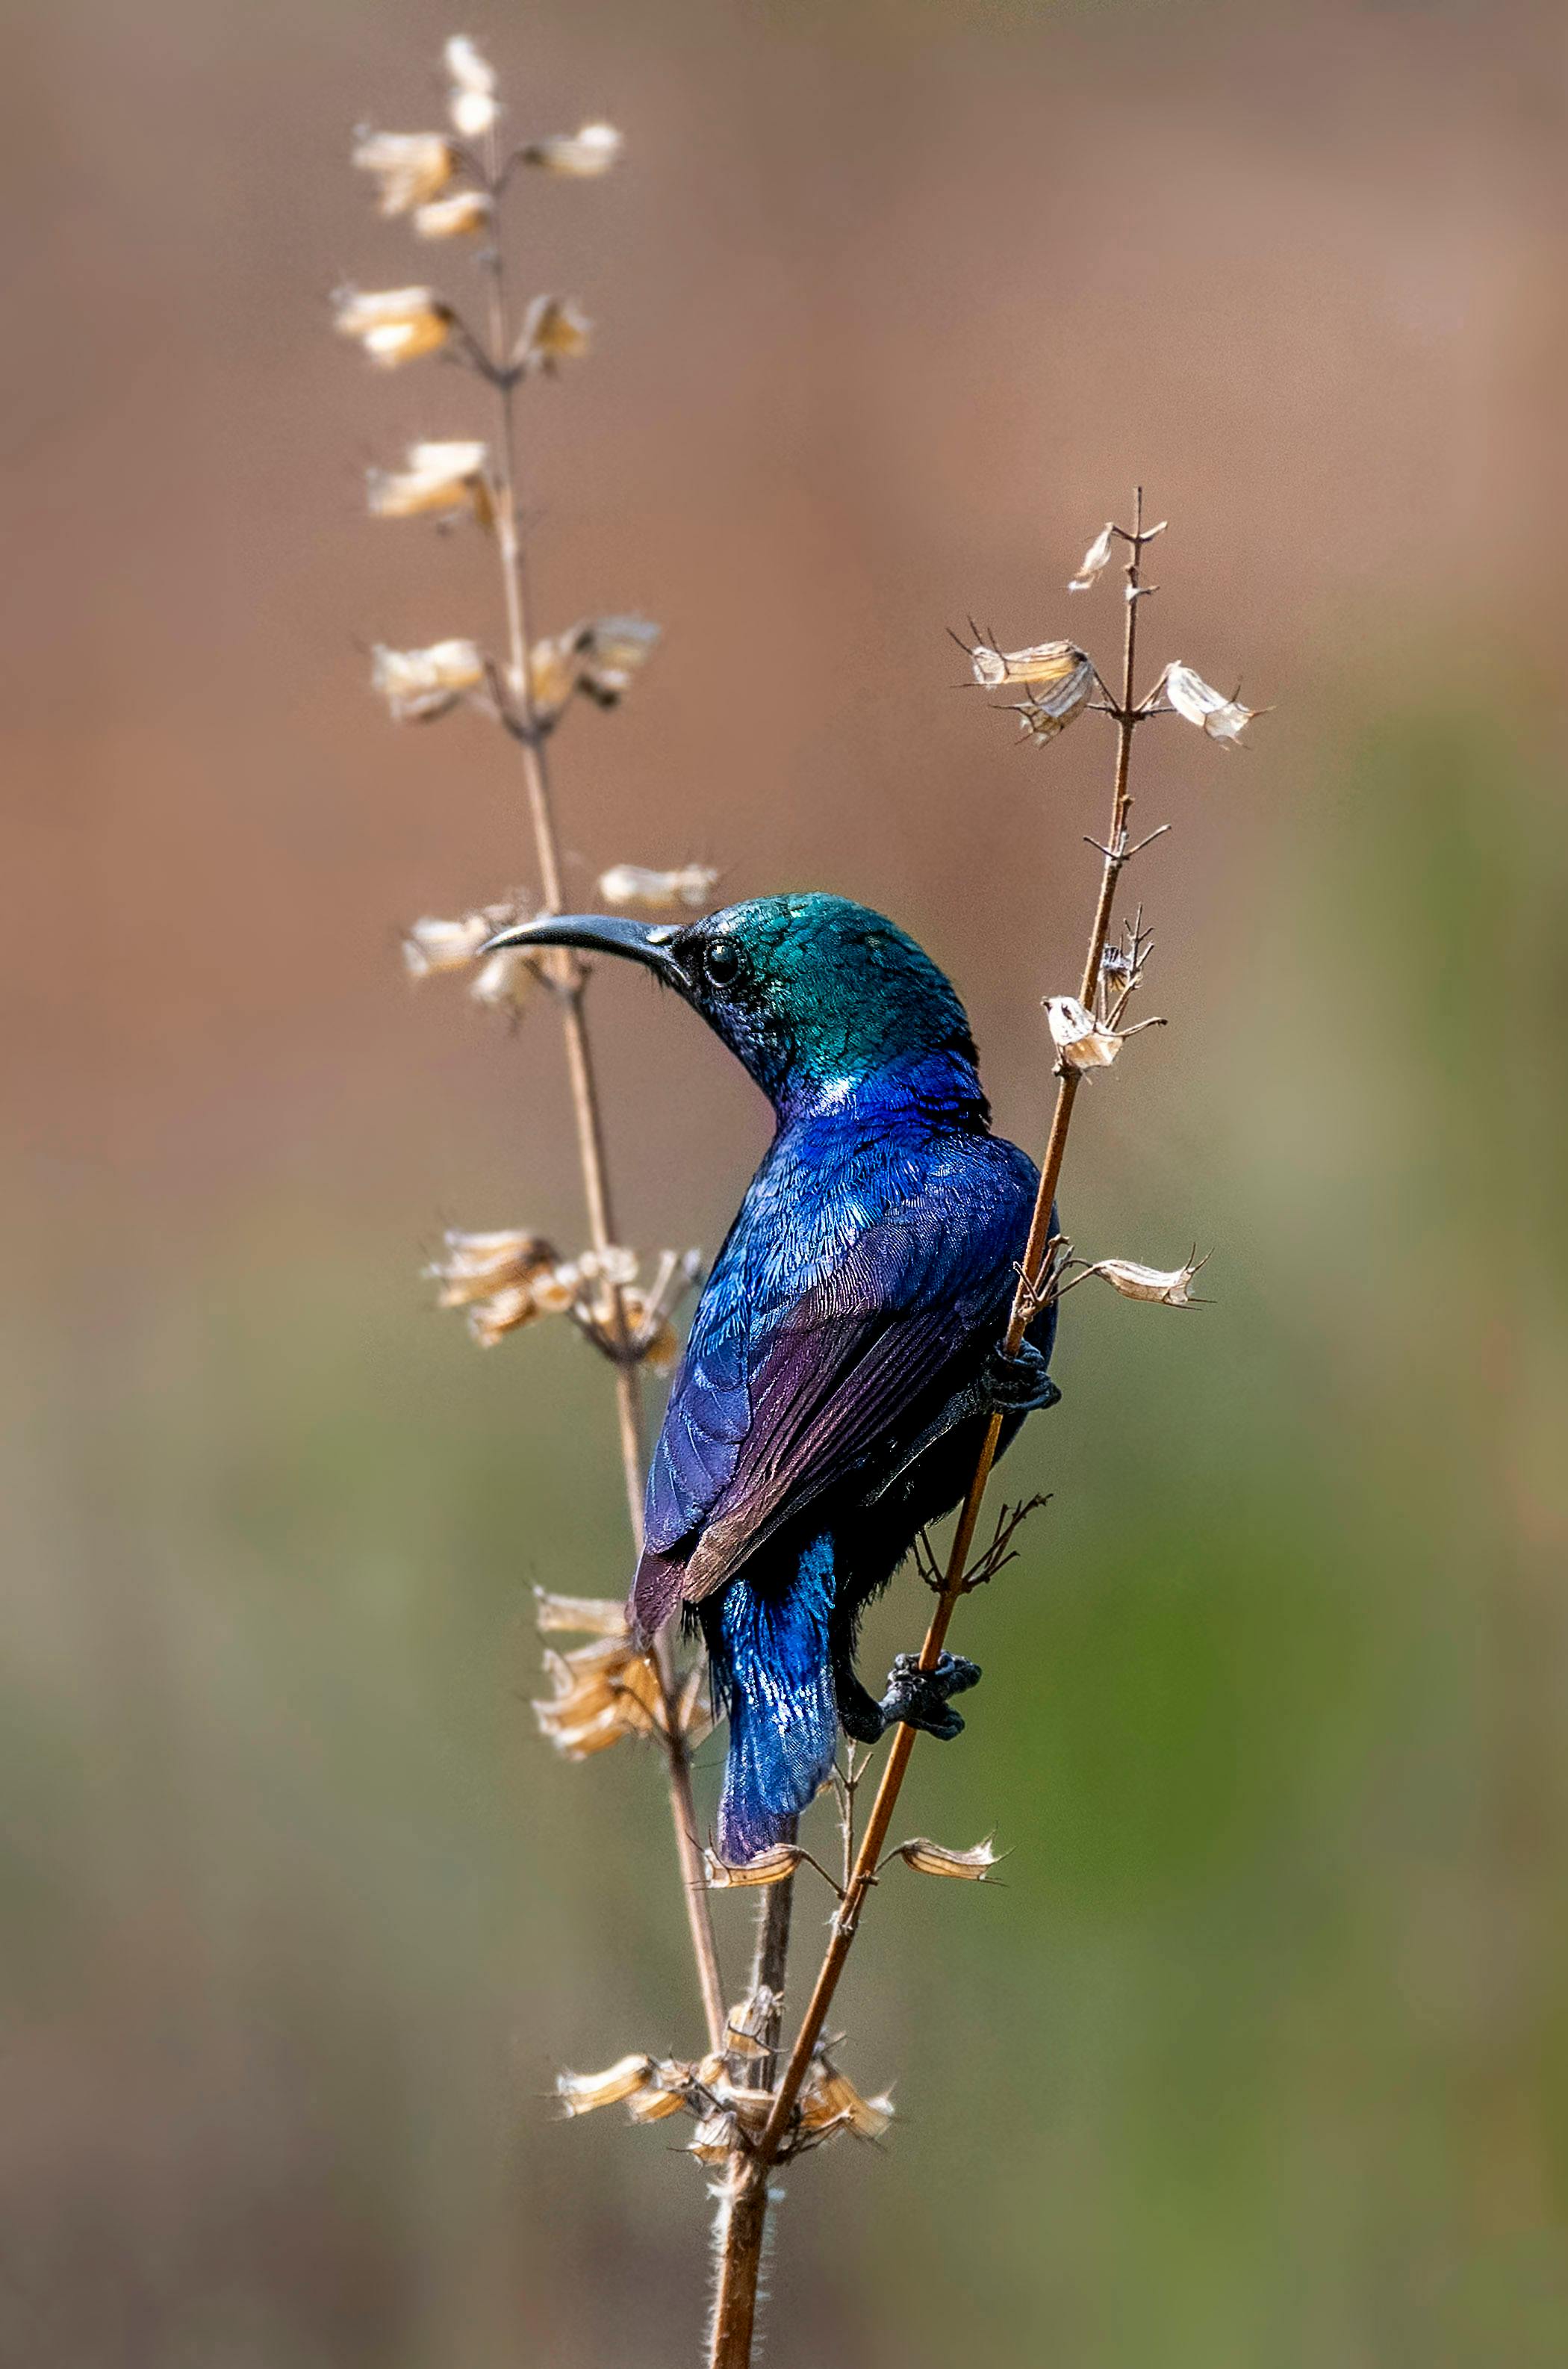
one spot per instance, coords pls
(599, 933)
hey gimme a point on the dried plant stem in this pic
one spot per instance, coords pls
(570, 982)
(745, 2219)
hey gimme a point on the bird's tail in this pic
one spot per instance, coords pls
(768, 1637)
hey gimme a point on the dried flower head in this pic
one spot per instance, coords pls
(715, 2139)
(667, 2093)
(431, 945)
(578, 156)
(1221, 718)
(1046, 712)
(598, 656)
(746, 2023)
(584, 2093)
(634, 884)
(927, 1858)
(553, 331)
(554, 666)
(393, 325)
(1080, 1039)
(768, 1867)
(1170, 1288)
(476, 1266)
(464, 215)
(1096, 559)
(506, 980)
(409, 167)
(614, 650)
(585, 1616)
(1043, 662)
(473, 104)
(443, 478)
(830, 2101)
(418, 685)
(603, 1691)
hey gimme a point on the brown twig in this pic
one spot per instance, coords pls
(569, 979)
(746, 2205)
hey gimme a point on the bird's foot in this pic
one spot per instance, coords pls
(1020, 1385)
(920, 1698)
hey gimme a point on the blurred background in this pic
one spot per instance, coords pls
(1260, 2054)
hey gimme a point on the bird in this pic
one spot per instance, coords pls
(846, 1353)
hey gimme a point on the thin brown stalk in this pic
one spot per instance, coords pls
(569, 979)
(745, 2218)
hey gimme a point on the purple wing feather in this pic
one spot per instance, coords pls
(779, 1397)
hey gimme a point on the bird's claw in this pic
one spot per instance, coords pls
(1020, 1385)
(920, 1698)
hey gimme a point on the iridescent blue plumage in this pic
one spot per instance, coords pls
(844, 1358)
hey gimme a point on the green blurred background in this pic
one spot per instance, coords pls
(1259, 2056)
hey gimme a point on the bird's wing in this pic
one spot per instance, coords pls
(768, 1414)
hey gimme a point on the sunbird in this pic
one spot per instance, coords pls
(846, 1353)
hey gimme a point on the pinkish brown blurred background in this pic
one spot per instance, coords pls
(1261, 2054)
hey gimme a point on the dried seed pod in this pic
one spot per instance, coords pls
(1049, 710)
(1221, 718)
(432, 944)
(614, 650)
(715, 2138)
(419, 685)
(1170, 1288)
(553, 331)
(634, 883)
(506, 980)
(1096, 559)
(584, 2093)
(409, 167)
(927, 1858)
(393, 325)
(662, 2097)
(1043, 662)
(1081, 1042)
(768, 1867)
(440, 477)
(577, 156)
(462, 216)
(830, 2100)
(476, 1265)
(603, 1692)
(473, 103)
(588, 1616)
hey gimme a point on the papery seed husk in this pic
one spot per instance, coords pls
(656, 2105)
(506, 980)
(715, 2138)
(466, 63)
(595, 1616)
(583, 2093)
(432, 945)
(1049, 711)
(490, 1319)
(829, 2096)
(411, 166)
(580, 155)
(1043, 662)
(1097, 557)
(1223, 719)
(1081, 1042)
(1166, 1286)
(768, 1867)
(927, 1858)
(638, 884)
(462, 216)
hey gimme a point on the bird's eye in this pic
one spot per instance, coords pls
(720, 963)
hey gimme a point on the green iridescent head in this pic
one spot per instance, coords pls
(807, 990)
